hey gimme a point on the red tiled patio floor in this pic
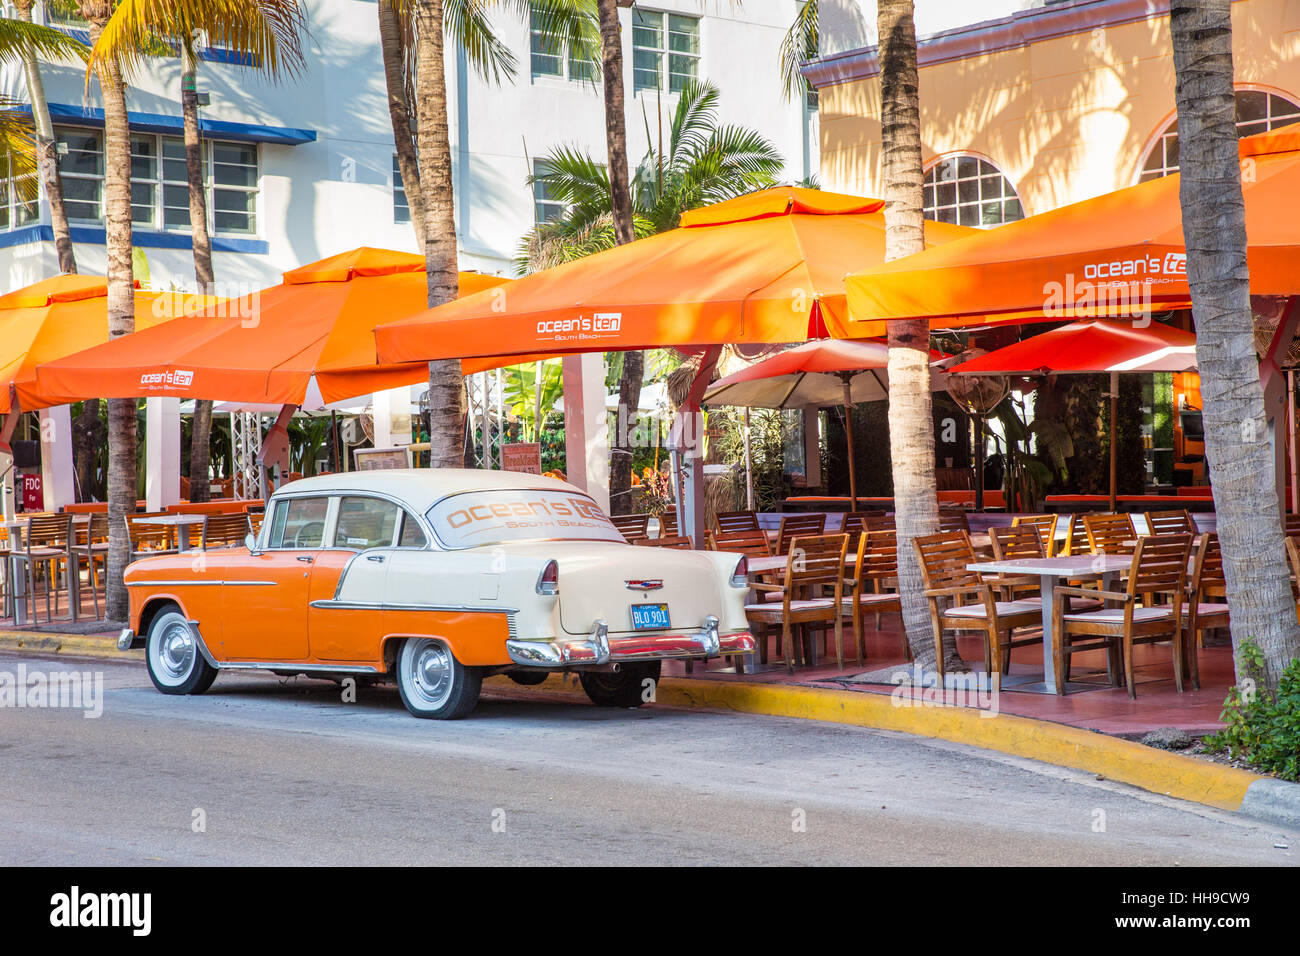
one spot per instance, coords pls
(1105, 709)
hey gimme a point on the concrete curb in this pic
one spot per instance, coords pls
(1276, 801)
(73, 645)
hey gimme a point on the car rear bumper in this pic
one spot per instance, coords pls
(599, 648)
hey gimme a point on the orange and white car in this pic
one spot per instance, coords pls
(436, 579)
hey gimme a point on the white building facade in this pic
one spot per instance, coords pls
(306, 168)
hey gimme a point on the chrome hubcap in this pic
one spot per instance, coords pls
(176, 651)
(429, 670)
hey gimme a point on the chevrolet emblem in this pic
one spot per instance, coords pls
(644, 585)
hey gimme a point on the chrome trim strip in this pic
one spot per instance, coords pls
(199, 584)
(313, 668)
(203, 647)
(326, 604)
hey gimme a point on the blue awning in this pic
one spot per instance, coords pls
(174, 125)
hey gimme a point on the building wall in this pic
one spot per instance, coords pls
(336, 192)
(1065, 99)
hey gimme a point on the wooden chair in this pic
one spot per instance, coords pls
(727, 521)
(1291, 526)
(818, 566)
(950, 521)
(1017, 542)
(879, 523)
(680, 541)
(224, 531)
(799, 526)
(1110, 533)
(47, 544)
(632, 527)
(1170, 522)
(1159, 569)
(856, 520)
(1201, 615)
(92, 544)
(148, 540)
(668, 524)
(943, 558)
(753, 543)
(874, 568)
(1293, 559)
(1046, 527)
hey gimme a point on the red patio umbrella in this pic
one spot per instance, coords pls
(1093, 346)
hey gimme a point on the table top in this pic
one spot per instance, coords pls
(13, 524)
(1065, 566)
(173, 519)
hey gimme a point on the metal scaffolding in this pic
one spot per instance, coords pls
(245, 445)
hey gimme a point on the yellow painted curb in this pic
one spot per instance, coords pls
(1158, 771)
(1124, 760)
(78, 645)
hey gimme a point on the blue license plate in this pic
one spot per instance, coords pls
(650, 617)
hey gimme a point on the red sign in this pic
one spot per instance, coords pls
(524, 457)
(33, 493)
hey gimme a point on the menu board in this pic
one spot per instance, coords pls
(382, 459)
(525, 457)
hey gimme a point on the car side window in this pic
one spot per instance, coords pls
(366, 523)
(299, 523)
(412, 536)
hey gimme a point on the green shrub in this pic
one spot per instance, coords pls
(1263, 728)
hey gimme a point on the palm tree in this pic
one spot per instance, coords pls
(58, 44)
(1236, 441)
(121, 300)
(911, 425)
(419, 27)
(702, 163)
(798, 46)
(269, 33)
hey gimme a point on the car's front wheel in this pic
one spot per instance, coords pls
(631, 686)
(176, 665)
(432, 683)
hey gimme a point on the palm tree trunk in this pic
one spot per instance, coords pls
(446, 385)
(1236, 440)
(392, 44)
(201, 431)
(121, 308)
(629, 383)
(47, 157)
(911, 425)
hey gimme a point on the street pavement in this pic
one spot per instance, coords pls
(264, 770)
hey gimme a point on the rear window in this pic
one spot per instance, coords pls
(482, 518)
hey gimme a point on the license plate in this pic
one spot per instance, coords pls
(650, 617)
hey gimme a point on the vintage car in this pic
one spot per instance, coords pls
(435, 579)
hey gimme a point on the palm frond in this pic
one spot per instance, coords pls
(18, 150)
(798, 46)
(563, 240)
(576, 179)
(45, 41)
(466, 24)
(693, 120)
(268, 32)
(565, 24)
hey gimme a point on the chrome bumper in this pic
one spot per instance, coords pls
(125, 639)
(599, 648)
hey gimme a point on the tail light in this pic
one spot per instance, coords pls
(740, 576)
(548, 582)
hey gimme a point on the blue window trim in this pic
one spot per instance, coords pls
(148, 239)
(211, 54)
(65, 114)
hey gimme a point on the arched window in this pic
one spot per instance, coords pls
(1257, 112)
(971, 192)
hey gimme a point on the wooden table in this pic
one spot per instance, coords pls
(176, 521)
(1076, 567)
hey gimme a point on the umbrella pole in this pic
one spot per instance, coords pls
(749, 467)
(1114, 403)
(979, 463)
(848, 434)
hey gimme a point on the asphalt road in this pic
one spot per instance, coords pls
(262, 771)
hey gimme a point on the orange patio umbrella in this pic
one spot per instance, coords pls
(1118, 254)
(57, 317)
(270, 346)
(763, 268)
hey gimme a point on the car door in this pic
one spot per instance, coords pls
(266, 595)
(345, 618)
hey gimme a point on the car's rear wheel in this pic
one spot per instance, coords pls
(625, 688)
(176, 665)
(432, 683)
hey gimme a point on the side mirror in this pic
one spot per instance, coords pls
(250, 542)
